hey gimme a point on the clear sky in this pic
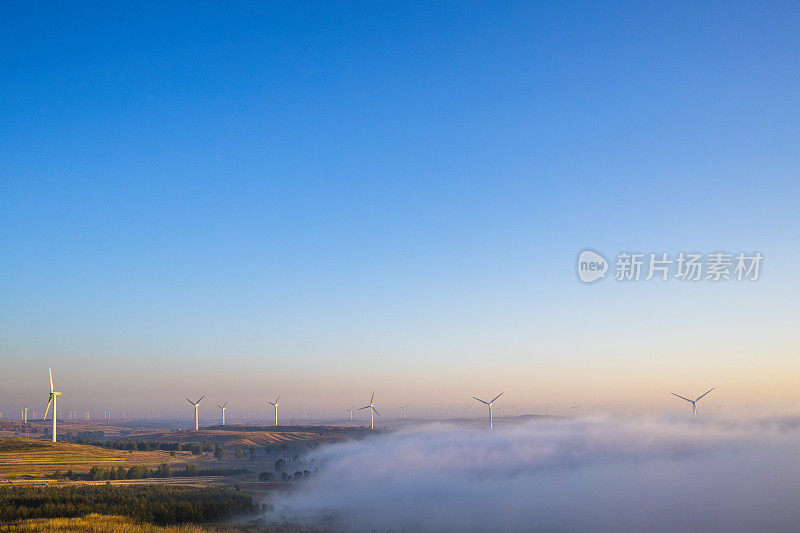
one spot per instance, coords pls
(319, 200)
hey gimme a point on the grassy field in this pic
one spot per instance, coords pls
(94, 523)
(36, 459)
(240, 436)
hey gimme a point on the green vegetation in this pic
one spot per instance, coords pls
(159, 504)
(146, 446)
(99, 473)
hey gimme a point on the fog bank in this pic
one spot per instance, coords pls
(598, 475)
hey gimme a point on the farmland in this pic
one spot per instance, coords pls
(24, 459)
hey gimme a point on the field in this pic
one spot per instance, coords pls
(246, 436)
(24, 459)
(94, 523)
(75, 482)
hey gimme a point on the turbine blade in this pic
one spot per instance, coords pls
(376, 411)
(51, 379)
(278, 398)
(190, 401)
(201, 397)
(373, 398)
(496, 397)
(487, 403)
(682, 398)
(47, 409)
(698, 399)
(225, 404)
(365, 407)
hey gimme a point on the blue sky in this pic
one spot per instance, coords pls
(326, 199)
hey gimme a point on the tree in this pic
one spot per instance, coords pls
(266, 476)
(219, 453)
(280, 464)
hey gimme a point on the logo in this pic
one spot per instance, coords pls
(591, 266)
(663, 266)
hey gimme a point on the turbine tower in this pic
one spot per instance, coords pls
(275, 405)
(222, 408)
(350, 411)
(489, 404)
(52, 400)
(196, 417)
(693, 402)
(575, 406)
(372, 411)
(404, 411)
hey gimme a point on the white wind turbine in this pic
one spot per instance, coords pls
(52, 400)
(196, 415)
(350, 411)
(372, 411)
(222, 408)
(404, 411)
(275, 404)
(693, 402)
(489, 404)
(575, 407)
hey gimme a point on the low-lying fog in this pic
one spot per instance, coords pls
(559, 475)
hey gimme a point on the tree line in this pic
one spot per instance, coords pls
(160, 504)
(100, 473)
(147, 446)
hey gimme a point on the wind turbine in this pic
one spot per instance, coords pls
(275, 405)
(350, 411)
(222, 408)
(52, 400)
(404, 411)
(372, 411)
(575, 406)
(693, 402)
(489, 404)
(196, 417)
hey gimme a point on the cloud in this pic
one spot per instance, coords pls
(586, 475)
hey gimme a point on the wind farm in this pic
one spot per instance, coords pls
(588, 211)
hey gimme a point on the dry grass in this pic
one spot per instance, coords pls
(94, 523)
(29, 459)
